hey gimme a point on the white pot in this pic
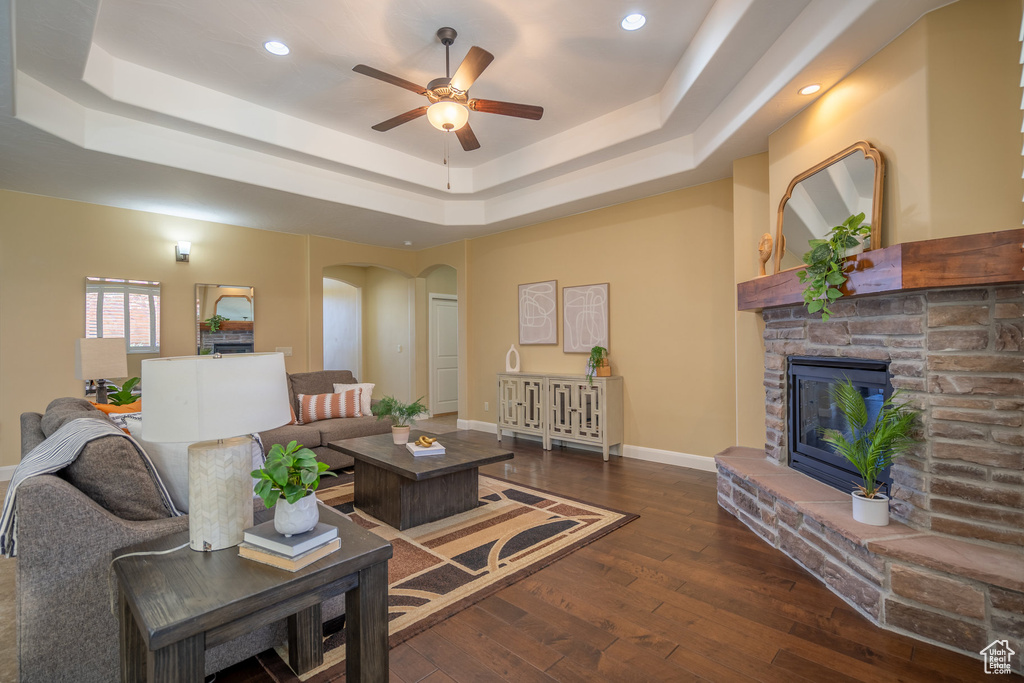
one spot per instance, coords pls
(873, 511)
(296, 518)
(400, 434)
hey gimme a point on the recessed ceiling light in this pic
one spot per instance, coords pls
(810, 89)
(407, 243)
(633, 22)
(276, 47)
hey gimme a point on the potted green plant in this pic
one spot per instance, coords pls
(123, 396)
(597, 364)
(214, 322)
(826, 265)
(293, 473)
(401, 414)
(870, 449)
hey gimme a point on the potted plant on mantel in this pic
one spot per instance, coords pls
(597, 364)
(291, 472)
(870, 450)
(402, 414)
(826, 264)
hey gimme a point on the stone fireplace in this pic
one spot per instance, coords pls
(957, 355)
(946, 320)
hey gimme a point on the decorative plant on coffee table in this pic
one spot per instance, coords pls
(402, 415)
(597, 364)
(123, 396)
(825, 272)
(291, 472)
(870, 450)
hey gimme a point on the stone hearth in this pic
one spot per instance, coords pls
(950, 568)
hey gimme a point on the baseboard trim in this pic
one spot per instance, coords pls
(688, 460)
(7, 472)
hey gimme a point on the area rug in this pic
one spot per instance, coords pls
(443, 567)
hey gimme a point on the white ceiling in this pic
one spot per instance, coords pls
(173, 106)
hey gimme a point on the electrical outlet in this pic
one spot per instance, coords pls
(487, 407)
(286, 350)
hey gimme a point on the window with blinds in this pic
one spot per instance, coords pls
(124, 308)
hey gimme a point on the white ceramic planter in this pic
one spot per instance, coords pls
(400, 434)
(296, 518)
(873, 511)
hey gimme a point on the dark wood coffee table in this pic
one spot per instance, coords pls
(175, 606)
(403, 490)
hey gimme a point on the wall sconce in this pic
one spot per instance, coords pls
(182, 250)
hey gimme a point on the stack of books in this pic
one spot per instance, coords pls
(433, 449)
(262, 543)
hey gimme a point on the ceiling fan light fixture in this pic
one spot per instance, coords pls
(447, 115)
(634, 21)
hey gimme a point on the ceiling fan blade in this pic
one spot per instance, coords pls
(468, 138)
(523, 111)
(472, 66)
(400, 119)
(388, 78)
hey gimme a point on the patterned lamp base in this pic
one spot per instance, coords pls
(219, 492)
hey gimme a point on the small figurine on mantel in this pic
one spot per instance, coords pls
(764, 250)
(508, 359)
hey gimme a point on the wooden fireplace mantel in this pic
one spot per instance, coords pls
(229, 326)
(987, 259)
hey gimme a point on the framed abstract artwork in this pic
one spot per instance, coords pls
(538, 313)
(584, 318)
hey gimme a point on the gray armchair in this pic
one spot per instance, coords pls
(66, 631)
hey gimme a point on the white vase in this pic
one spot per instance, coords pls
(296, 518)
(873, 511)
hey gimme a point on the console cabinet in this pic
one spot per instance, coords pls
(562, 407)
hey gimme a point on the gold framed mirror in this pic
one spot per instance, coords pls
(822, 197)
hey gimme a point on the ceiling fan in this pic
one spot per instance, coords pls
(449, 96)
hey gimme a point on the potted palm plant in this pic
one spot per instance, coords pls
(401, 414)
(293, 473)
(870, 450)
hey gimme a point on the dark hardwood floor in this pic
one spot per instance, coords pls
(683, 593)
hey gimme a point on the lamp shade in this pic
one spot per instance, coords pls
(203, 398)
(100, 358)
(447, 115)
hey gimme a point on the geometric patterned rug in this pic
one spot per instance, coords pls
(443, 567)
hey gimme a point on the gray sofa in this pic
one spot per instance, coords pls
(317, 435)
(66, 631)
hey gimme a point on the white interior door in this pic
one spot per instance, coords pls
(444, 354)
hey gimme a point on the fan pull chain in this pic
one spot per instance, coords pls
(447, 166)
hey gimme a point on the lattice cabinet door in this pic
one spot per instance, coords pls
(590, 408)
(509, 390)
(561, 408)
(532, 404)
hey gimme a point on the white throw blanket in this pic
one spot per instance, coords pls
(56, 452)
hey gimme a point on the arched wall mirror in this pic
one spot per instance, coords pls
(824, 196)
(225, 317)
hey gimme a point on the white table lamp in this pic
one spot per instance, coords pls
(99, 359)
(215, 402)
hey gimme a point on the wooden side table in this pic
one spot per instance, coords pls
(175, 606)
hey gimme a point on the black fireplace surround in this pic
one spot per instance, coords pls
(811, 409)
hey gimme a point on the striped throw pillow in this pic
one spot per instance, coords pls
(315, 407)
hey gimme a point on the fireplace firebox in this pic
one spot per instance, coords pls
(811, 410)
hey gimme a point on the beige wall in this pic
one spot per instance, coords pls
(942, 103)
(750, 212)
(55, 244)
(668, 262)
(388, 356)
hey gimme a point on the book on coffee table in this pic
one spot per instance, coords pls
(292, 564)
(265, 536)
(433, 449)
